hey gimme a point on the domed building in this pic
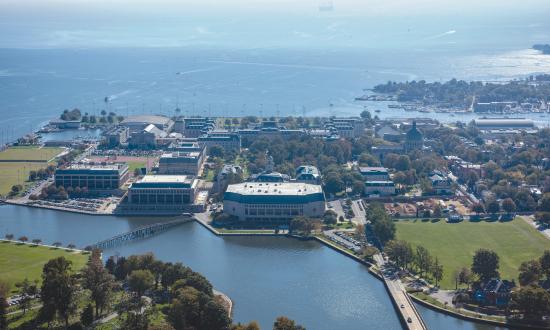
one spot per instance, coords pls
(414, 140)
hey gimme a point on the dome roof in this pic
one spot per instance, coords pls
(414, 134)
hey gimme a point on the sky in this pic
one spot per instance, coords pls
(271, 23)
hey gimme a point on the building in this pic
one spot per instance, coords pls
(269, 129)
(308, 174)
(197, 126)
(494, 107)
(414, 140)
(380, 188)
(383, 150)
(441, 184)
(495, 292)
(351, 127)
(138, 123)
(116, 136)
(269, 175)
(489, 124)
(147, 137)
(179, 162)
(374, 173)
(273, 203)
(230, 142)
(226, 174)
(65, 124)
(161, 194)
(95, 177)
(389, 133)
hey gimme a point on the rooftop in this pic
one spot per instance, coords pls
(163, 179)
(277, 188)
(149, 119)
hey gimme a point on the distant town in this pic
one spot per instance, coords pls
(373, 189)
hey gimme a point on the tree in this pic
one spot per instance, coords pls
(140, 281)
(214, 316)
(185, 309)
(493, 207)
(464, 276)
(36, 241)
(98, 280)
(9, 237)
(303, 225)
(23, 239)
(544, 261)
(423, 260)
(437, 271)
(250, 326)
(284, 323)
(400, 252)
(508, 205)
(4, 292)
(58, 290)
(485, 264)
(135, 314)
(216, 151)
(384, 229)
(333, 183)
(28, 291)
(478, 208)
(330, 217)
(530, 272)
(87, 316)
(531, 301)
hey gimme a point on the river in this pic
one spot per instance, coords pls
(264, 276)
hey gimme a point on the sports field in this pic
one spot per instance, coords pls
(455, 243)
(30, 153)
(18, 261)
(16, 173)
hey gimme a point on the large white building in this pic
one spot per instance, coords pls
(380, 188)
(161, 194)
(273, 203)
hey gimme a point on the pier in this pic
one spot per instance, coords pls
(140, 233)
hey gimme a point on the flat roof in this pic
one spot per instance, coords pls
(97, 167)
(274, 188)
(373, 169)
(163, 179)
(149, 119)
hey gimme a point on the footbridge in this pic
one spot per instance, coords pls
(140, 233)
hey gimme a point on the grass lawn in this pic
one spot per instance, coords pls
(132, 165)
(18, 261)
(455, 244)
(30, 153)
(16, 173)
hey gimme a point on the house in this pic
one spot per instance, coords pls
(441, 184)
(495, 292)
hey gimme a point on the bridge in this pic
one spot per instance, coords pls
(140, 233)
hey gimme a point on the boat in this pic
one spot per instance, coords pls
(377, 111)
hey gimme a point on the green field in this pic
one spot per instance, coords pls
(18, 261)
(132, 165)
(16, 173)
(455, 244)
(30, 153)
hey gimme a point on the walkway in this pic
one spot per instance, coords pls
(140, 233)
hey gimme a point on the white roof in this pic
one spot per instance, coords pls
(163, 178)
(278, 188)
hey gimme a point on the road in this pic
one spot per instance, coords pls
(400, 297)
(358, 210)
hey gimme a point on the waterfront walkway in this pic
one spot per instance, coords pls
(400, 297)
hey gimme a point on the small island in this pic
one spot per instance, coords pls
(544, 48)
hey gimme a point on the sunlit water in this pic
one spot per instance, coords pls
(36, 85)
(265, 277)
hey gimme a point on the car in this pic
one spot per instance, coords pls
(409, 319)
(402, 306)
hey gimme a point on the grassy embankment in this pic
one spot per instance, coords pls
(16, 164)
(455, 244)
(20, 261)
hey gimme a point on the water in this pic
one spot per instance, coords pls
(266, 277)
(38, 84)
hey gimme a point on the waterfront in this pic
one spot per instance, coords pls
(261, 275)
(37, 85)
